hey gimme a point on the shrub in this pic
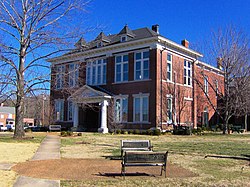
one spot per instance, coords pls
(124, 132)
(130, 131)
(149, 132)
(137, 131)
(79, 134)
(118, 131)
(157, 132)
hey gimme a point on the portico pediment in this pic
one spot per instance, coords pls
(87, 94)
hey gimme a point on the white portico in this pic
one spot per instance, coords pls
(95, 103)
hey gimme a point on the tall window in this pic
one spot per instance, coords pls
(70, 111)
(59, 109)
(141, 109)
(206, 84)
(169, 108)
(187, 73)
(73, 75)
(141, 65)
(121, 109)
(60, 70)
(169, 67)
(121, 68)
(96, 72)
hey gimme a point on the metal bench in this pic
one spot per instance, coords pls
(135, 145)
(144, 158)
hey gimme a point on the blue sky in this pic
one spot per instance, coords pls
(178, 19)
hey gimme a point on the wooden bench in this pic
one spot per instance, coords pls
(144, 158)
(55, 128)
(135, 145)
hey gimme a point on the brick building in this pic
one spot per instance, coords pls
(136, 79)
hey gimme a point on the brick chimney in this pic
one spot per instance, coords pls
(185, 43)
(156, 28)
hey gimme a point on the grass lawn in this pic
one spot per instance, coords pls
(185, 151)
(15, 151)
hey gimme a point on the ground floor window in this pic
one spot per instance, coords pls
(121, 109)
(59, 109)
(169, 108)
(70, 111)
(141, 110)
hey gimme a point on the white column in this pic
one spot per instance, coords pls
(104, 117)
(76, 111)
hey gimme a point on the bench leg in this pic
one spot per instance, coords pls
(123, 171)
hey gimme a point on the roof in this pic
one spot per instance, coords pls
(7, 110)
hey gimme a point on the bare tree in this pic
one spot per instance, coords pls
(31, 31)
(230, 48)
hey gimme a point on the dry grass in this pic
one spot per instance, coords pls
(15, 151)
(7, 178)
(185, 151)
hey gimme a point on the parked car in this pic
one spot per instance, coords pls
(10, 127)
(3, 128)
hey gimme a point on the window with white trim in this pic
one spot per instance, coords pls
(169, 67)
(121, 109)
(141, 69)
(141, 108)
(169, 108)
(96, 72)
(70, 110)
(206, 84)
(123, 38)
(121, 68)
(60, 71)
(187, 73)
(59, 109)
(73, 75)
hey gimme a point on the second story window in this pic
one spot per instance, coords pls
(187, 73)
(141, 65)
(206, 85)
(123, 38)
(121, 68)
(96, 72)
(73, 75)
(169, 67)
(60, 72)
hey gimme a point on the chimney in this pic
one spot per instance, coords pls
(155, 28)
(185, 43)
(219, 63)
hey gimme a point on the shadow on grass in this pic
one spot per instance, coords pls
(113, 157)
(114, 175)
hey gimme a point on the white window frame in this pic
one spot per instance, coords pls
(206, 85)
(121, 111)
(123, 37)
(73, 75)
(142, 68)
(169, 62)
(93, 79)
(60, 72)
(122, 64)
(59, 109)
(70, 111)
(169, 110)
(187, 78)
(141, 107)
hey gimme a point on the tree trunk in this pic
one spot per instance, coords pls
(246, 122)
(19, 128)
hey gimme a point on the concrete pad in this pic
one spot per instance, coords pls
(6, 167)
(34, 182)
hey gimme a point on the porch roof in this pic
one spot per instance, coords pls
(89, 94)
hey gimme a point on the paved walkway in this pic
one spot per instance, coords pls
(49, 149)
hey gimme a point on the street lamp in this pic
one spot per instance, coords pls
(44, 99)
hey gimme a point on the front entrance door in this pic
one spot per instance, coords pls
(89, 117)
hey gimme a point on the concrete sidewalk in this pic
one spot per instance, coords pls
(49, 149)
